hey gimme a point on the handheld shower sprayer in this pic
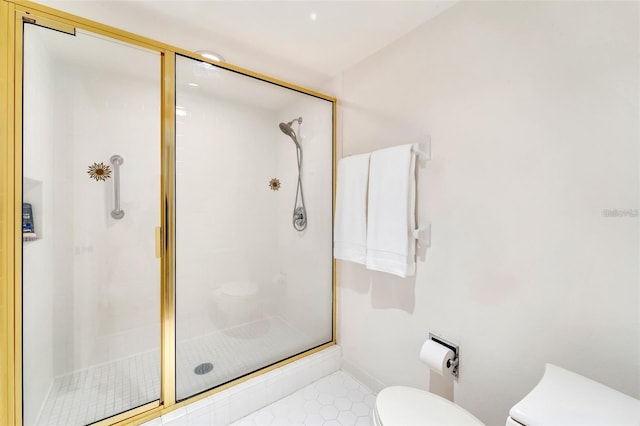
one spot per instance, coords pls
(287, 129)
(299, 211)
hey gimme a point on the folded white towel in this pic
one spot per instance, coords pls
(350, 229)
(391, 215)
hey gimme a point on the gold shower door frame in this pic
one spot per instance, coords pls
(12, 13)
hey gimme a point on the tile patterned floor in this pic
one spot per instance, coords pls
(86, 396)
(335, 400)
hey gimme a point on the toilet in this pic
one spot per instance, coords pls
(566, 398)
(560, 398)
(406, 406)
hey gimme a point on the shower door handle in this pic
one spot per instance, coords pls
(117, 212)
(158, 242)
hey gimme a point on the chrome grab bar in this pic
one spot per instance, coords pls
(117, 161)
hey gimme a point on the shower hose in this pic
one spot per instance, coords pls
(299, 212)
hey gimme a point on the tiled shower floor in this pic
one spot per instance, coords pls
(86, 396)
(235, 352)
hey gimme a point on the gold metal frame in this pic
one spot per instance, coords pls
(168, 329)
(8, 385)
(11, 15)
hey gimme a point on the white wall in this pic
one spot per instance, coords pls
(533, 112)
(225, 211)
(230, 226)
(38, 256)
(116, 276)
(306, 256)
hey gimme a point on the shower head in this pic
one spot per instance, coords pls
(288, 130)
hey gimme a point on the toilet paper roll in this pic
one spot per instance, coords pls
(439, 358)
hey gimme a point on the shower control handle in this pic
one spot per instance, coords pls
(299, 218)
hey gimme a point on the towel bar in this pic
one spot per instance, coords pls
(423, 149)
(423, 234)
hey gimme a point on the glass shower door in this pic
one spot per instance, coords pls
(91, 204)
(254, 263)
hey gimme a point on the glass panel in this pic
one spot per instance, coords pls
(251, 289)
(91, 304)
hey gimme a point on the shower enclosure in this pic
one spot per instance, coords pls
(167, 239)
(250, 289)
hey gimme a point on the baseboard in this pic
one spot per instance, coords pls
(362, 376)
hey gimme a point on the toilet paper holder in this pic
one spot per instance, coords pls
(456, 351)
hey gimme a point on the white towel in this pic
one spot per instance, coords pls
(391, 216)
(350, 231)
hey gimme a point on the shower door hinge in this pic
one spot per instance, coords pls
(29, 18)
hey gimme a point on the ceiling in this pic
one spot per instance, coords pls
(277, 38)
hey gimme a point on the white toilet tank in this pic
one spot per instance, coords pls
(565, 398)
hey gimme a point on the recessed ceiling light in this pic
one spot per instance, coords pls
(313, 16)
(181, 112)
(211, 55)
(193, 84)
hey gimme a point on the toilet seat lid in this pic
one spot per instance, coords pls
(402, 405)
(239, 288)
(567, 398)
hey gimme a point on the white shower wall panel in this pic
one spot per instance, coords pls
(225, 214)
(112, 302)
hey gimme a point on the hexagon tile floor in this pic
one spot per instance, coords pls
(335, 400)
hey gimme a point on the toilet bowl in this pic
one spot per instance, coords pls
(402, 405)
(238, 301)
